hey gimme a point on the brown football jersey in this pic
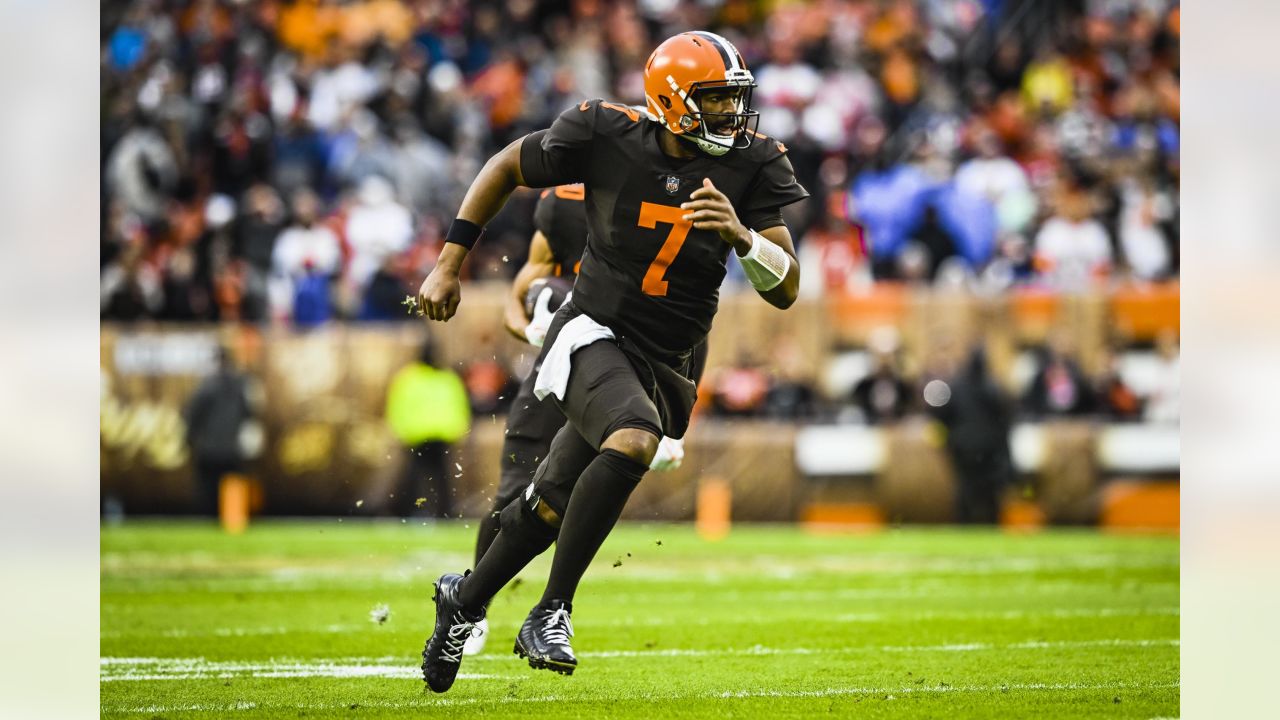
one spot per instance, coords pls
(561, 215)
(646, 273)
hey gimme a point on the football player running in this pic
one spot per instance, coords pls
(539, 289)
(671, 190)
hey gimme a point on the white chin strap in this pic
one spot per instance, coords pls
(709, 147)
(711, 144)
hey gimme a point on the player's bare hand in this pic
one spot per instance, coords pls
(710, 209)
(440, 294)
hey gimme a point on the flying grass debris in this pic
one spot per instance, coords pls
(410, 302)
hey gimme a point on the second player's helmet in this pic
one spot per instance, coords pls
(684, 66)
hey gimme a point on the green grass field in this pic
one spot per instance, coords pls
(768, 622)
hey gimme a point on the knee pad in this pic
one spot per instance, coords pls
(521, 518)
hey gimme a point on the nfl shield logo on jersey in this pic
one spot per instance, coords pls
(673, 184)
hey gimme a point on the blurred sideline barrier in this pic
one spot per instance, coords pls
(1118, 474)
(327, 448)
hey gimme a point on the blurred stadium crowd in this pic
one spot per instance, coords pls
(297, 160)
(1051, 384)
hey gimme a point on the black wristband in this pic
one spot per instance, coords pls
(463, 232)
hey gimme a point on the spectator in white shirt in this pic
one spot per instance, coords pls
(1145, 249)
(1072, 248)
(785, 87)
(377, 227)
(998, 178)
(345, 83)
(306, 247)
(1164, 400)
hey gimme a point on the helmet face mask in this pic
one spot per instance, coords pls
(716, 133)
(682, 72)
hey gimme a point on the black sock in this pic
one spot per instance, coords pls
(490, 524)
(523, 537)
(594, 508)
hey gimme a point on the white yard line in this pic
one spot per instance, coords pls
(651, 569)
(400, 673)
(636, 576)
(188, 708)
(934, 588)
(830, 692)
(237, 632)
(910, 616)
(1003, 614)
(888, 693)
(737, 620)
(930, 590)
(135, 669)
(760, 650)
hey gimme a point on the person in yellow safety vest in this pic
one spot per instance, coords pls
(428, 411)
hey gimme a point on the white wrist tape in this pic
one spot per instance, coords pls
(765, 264)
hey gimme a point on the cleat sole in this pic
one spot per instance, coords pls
(543, 663)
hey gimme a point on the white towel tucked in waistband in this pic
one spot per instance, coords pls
(576, 334)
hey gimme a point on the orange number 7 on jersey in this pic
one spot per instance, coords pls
(650, 215)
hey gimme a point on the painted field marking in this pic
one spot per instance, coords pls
(870, 617)
(411, 573)
(1005, 614)
(237, 632)
(396, 673)
(964, 647)
(931, 589)
(138, 669)
(737, 620)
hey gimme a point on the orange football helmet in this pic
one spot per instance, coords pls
(685, 65)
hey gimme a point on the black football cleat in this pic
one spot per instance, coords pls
(443, 653)
(544, 638)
